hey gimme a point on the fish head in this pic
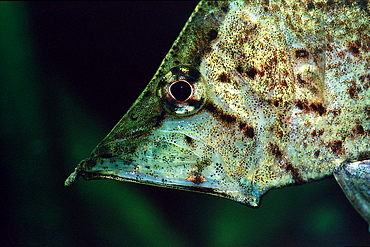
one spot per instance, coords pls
(164, 140)
(171, 136)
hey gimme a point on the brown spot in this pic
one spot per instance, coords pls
(227, 118)
(316, 153)
(212, 108)
(302, 105)
(223, 77)
(252, 73)
(301, 53)
(336, 147)
(240, 69)
(274, 102)
(274, 150)
(196, 178)
(336, 112)
(189, 141)
(242, 125)
(247, 130)
(358, 130)
(354, 50)
(220, 114)
(316, 107)
(353, 90)
(294, 172)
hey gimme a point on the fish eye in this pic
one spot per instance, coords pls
(182, 90)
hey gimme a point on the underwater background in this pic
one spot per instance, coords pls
(68, 73)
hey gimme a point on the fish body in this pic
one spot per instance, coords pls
(253, 95)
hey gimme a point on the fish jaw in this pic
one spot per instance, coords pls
(164, 159)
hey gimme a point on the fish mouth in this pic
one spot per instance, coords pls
(107, 168)
(164, 162)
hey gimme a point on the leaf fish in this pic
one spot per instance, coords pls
(253, 95)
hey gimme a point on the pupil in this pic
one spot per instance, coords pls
(180, 90)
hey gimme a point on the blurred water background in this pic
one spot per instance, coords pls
(68, 73)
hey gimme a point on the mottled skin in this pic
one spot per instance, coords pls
(280, 96)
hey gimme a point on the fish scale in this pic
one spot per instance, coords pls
(253, 95)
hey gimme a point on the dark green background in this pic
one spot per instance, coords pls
(68, 72)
